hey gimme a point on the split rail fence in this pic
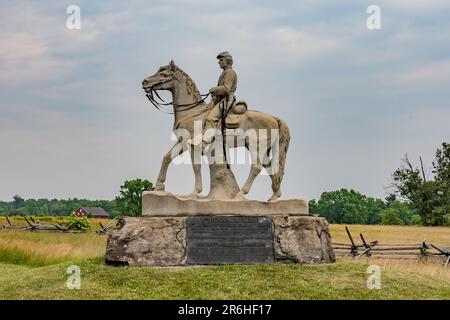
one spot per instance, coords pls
(373, 249)
(377, 250)
(32, 225)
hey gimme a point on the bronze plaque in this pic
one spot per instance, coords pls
(229, 239)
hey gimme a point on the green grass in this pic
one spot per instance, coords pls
(342, 280)
(16, 256)
(33, 265)
(37, 249)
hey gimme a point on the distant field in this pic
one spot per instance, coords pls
(44, 248)
(20, 221)
(385, 234)
(33, 265)
(392, 234)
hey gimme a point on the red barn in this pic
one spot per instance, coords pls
(92, 212)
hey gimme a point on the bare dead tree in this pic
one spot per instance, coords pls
(423, 171)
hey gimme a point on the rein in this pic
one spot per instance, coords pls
(158, 105)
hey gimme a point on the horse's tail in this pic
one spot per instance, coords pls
(283, 145)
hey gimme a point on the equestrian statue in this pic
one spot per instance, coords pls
(214, 127)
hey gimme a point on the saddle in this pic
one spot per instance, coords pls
(233, 118)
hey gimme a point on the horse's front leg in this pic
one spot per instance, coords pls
(196, 154)
(174, 152)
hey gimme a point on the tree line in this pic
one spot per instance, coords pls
(414, 198)
(53, 207)
(351, 207)
(128, 203)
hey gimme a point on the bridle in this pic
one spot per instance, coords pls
(159, 105)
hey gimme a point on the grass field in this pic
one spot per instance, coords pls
(34, 266)
(393, 234)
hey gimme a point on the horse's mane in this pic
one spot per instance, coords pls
(191, 86)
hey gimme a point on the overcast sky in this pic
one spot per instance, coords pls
(74, 121)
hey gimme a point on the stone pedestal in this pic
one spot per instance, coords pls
(184, 240)
(165, 204)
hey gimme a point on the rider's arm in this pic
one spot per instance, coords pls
(228, 86)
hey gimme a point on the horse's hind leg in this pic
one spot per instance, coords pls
(276, 191)
(275, 187)
(196, 165)
(168, 157)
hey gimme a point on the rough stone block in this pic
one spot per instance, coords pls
(162, 241)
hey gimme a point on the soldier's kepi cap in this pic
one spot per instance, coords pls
(224, 54)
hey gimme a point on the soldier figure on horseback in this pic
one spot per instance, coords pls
(222, 96)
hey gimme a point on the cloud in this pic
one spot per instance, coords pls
(296, 45)
(78, 112)
(26, 57)
(434, 74)
(416, 6)
(37, 46)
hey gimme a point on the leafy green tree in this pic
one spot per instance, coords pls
(430, 198)
(5, 208)
(347, 206)
(129, 200)
(403, 210)
(374, 207)
(18, 201)
(441, 171)
(416, 220)
(390, 216)
(54, 207)
(313, 206)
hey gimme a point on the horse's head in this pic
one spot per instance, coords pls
(163, 79)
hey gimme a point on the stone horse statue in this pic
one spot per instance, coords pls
(189, 108)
